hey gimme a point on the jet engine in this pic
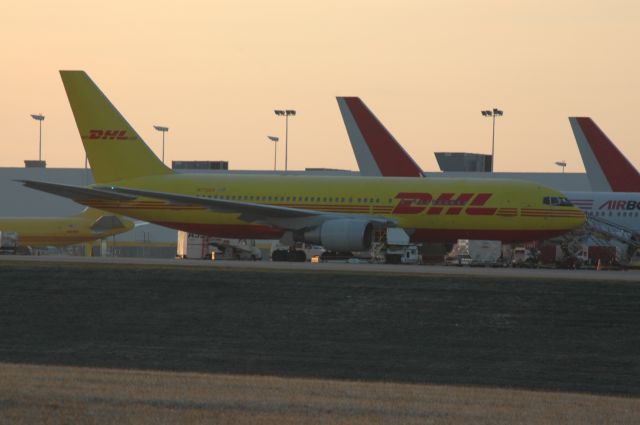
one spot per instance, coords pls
(341, 234)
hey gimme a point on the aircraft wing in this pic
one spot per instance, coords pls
(76, 193)
(272, 215)
(219, 205)
(285, 217)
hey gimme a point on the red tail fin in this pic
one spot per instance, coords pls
(607, 168)
(376, 150)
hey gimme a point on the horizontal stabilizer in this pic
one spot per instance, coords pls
(106, 223)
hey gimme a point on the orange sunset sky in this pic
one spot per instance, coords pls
(213, 71)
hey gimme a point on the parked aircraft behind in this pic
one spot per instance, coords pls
(620, 208)
(377, 151)
(339, 213)
(87, 226)
(607, 168)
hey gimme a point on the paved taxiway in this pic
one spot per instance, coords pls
(556, 274)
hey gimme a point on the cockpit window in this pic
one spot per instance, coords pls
(557, 201)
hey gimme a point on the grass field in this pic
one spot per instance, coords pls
(64, 395)
(479, 332)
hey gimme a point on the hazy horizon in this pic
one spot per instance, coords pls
(213, 72)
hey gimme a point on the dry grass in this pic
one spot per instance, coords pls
(71, 395)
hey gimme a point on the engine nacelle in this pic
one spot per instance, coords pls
(342, 234)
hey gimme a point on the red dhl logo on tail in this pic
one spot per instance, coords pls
(418, 203)
(108, 134)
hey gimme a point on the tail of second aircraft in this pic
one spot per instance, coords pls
(607, 168)
(91, 213)
(104, 221)
(114, 149)
(377, 151)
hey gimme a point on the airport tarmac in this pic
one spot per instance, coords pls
(428, 270)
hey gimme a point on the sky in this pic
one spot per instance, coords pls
(214, 71)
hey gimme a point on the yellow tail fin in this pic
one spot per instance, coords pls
(114, 149)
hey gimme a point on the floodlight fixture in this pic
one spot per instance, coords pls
(39, 118)
(275, 150)
(562, 164)
(495, 112)
(286, 113)
(163, 130)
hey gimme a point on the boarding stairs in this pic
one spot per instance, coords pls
(602, 232)
(605, 229)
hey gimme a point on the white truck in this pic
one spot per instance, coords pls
(234, 249)
(523, 257)
(398, 249)
(195, 246)
(299, 252)
(469, 252)
(8, 242)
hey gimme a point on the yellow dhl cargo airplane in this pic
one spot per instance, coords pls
(339, 213)
(87, 226)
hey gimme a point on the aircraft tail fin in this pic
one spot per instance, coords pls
(377, 151)
(114, 149)
(607, 168)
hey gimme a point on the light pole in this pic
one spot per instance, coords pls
(492, 113)
(39, 118)
(561, 164)
(163, 130)
(274, 139)
(286, 113)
